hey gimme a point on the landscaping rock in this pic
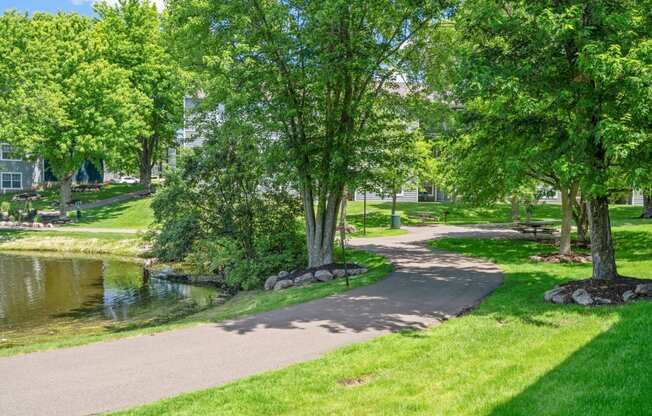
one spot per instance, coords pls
(303, 279)
(283, 275)
(602, 301)
(283, 284)
(552, 293)
(629, 295)
(339, 273)
(582, 297)
(323, 275)
(561, 298)
(270, 282)
(644, 289)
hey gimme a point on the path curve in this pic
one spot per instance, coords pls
(427, 286)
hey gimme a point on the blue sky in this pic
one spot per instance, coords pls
(84, 7)
(79, 6)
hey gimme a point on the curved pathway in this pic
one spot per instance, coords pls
(427, 287)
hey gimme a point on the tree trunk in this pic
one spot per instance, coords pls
(321, 224)
(393, 203)
(516, 214)
(65, 193)
(602, 248)
(567, 196)
(581, 217)
(146, 165)
(647, 205)
(146, 176)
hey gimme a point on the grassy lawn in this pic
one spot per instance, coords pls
(77, 331)
(514, 355)
(73, 242)
(50, 197)
(135, 215)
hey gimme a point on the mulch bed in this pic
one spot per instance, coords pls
(557, 258)
(613, 290)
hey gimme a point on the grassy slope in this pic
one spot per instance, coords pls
(514, 355)
(50, 197)
(135, 215)
(70, 332)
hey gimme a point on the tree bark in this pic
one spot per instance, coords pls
(321, 224)
(581, 217)
(146, 163)
(567, 196)
(393, 203)
(146, 176)
(647, 204)
(516, 214)
(65, 193)
(602, 249)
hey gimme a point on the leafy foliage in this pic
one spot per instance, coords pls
(226, 210)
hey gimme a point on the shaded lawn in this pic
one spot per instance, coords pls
(50, 197)
(514, 355)
(83, 330)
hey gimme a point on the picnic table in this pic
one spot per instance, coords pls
(535, 227)
(87, 187)
(426, 216)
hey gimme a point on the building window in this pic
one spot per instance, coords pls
(11, 180)
(7, 152)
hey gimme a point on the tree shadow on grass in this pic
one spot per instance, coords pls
(610, 375)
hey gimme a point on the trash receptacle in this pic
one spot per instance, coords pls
(396, 221)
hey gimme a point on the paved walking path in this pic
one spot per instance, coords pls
(426, 287)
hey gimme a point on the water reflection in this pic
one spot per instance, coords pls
(35, 289)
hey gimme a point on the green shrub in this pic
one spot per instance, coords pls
(223, 210)
(5, 206)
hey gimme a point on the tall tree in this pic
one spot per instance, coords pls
(311, 70)
(138, 45)
(583, 64)
(67, 104)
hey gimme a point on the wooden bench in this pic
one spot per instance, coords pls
(427, 216)
(88, 187)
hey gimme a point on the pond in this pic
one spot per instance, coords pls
(37, 290)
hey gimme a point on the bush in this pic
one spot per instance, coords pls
(225, 211)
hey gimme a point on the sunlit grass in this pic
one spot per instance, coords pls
(514, 355)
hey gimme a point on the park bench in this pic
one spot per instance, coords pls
(535, 228)
(87, 187)
(427, 216)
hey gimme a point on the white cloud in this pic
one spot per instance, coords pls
(160, 4)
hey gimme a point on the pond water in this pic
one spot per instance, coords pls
(36, 290)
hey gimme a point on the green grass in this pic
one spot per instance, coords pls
(135, 215)
(50, 197)
(116, 244)
(72, 332)
(513, 355)
(378, 213)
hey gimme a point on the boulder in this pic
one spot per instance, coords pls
(602, 301)
(270, 282)
(283, 284)
(283, 275)
(582, 297)
(552, 293)
(629, 295)
(339, 273)
(303, 279)
(323, 275)
(561, 298)
(644, 289)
